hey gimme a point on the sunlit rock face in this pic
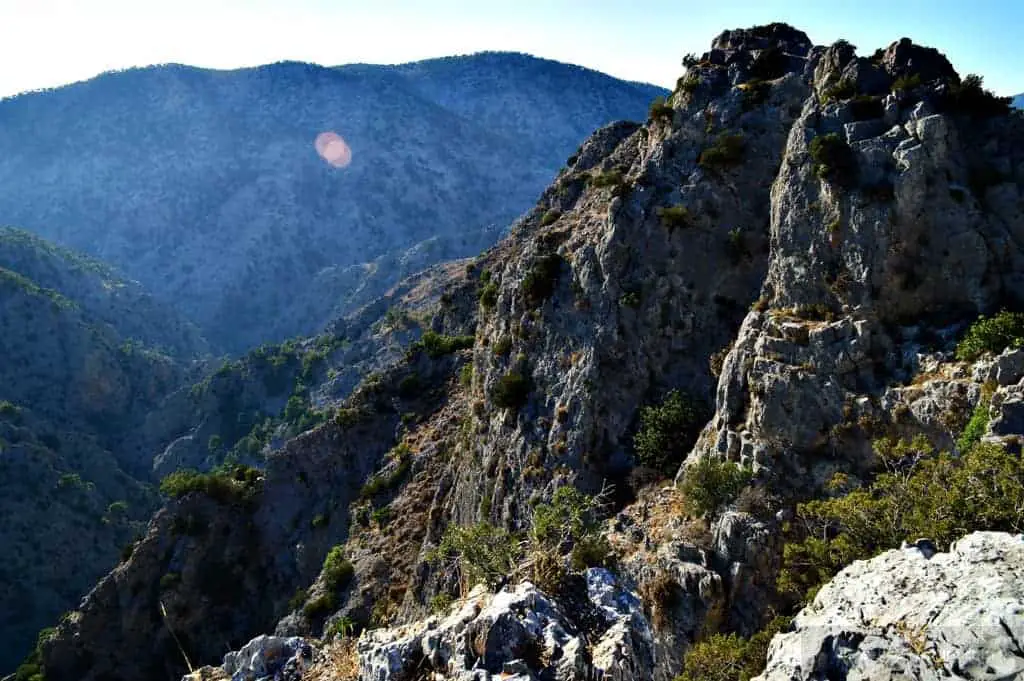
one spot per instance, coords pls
(264, 202)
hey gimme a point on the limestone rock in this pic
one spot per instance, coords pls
(910, 614)
(520, 632)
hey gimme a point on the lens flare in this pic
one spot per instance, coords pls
(332, 148)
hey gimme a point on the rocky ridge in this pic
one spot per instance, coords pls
(816, 316)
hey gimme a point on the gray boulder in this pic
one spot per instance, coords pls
(914, 614)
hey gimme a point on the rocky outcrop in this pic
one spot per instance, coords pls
(884, 236)
(914, 613)
(520, 633)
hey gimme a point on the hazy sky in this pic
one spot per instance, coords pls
(44, 43)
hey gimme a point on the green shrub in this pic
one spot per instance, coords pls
(833, 159)
(32, 668)
(976, 426)
(866, 108)
(466, 375)
(570, 522)
(511, 391)
(10, 411)
(970, 97)
(437, 345)
(755, 93)
(441, 603)
(844, 89)
(320, 606)
(342, 627)
(550, 217)
(502, 346)
(215, 443)
(921, 494)
(661, 110)
(906, 82)
(386, 482)
(710, 484)
(731, 658)
(489, 295)
(991, 334)
(769, 64)
(539, 283)
(337, 571)
(226, 484)
(727, 150)
(629, 299)
(673, 217)
(481, 553)
(668, 431)
(688, 83)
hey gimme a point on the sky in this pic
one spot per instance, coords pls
(46, 43)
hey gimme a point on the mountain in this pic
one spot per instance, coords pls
(206, 186)
(1018, 101)
(731, 354)
(86, 356)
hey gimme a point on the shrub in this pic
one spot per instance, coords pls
(608, 178)
(550, 217)
(511, 391)
(502, 346)
(441, 603)
(769, 64)
(921, 493)
(726, 151)
(539, 283)
(978, 423)
(991, 334)
(337, 571)
(711, 484)
(437, 345)
(489, 295)
(906, 82)
(690, 60)
(629, 299)
(755, 93)
(866, 108)
(674, 216)
(731, 658)
(386, 482)
(688, 83)
(833, 159)
(225, 484)
(341, 627)
(481, 553)
(970, 97)
(667, 431)
(661, 110)
(466, 375)
(844, 89)
(32, 668)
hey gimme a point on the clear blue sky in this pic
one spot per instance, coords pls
(44, 43)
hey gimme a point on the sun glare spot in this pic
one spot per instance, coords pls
(333, 149)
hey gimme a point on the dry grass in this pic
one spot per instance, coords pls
(337, 662)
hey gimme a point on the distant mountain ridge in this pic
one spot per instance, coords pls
(205, 185)
(1018, 101)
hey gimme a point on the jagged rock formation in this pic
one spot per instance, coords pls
(914, 613)
(206, 187)
(910, 225)
(795, 238)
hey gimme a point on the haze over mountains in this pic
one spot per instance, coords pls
(206, 187)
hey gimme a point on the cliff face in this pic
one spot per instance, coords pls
(206, 185)
(792, 243)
